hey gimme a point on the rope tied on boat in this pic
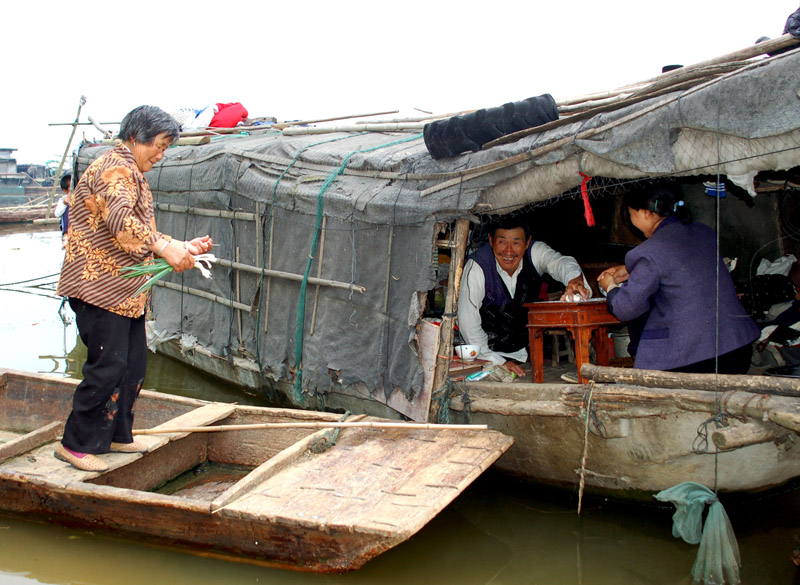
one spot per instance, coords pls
(442, 397)
(330, 436)
(700, 443)
(587, 409)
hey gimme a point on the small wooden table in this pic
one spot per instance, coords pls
(582, 319)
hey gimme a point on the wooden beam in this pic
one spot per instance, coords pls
(722, 382)
(450, 307)
(751, 433)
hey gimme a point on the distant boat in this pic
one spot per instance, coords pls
(22, 213)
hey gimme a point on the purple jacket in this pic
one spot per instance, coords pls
(672, 275)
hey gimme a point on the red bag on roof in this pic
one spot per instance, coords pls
(228, 115)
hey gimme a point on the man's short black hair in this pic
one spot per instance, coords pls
(509, 222)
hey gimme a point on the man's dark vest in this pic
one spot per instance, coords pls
(503, 318)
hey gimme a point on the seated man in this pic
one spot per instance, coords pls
(498, 279)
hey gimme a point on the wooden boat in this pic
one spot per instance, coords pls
(290, 497)
(23, 213)
(637, 440)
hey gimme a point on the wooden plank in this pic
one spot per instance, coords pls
(346, 488)
(203, 416)
(42, 461)
(24, 443)
(273, 466)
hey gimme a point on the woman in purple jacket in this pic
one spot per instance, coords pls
(672, 288)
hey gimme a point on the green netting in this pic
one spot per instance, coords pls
(718, 560)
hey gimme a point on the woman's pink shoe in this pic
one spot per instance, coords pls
(83, 461)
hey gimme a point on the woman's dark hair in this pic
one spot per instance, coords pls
(664, 199)
(145, 123)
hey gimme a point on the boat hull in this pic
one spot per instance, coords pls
(636, 443)
(304, 501)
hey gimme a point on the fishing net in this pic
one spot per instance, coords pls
(718, 560)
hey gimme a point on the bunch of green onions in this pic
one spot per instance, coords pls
(158, 268)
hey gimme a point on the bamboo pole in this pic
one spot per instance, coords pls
(205, 295)
(367, 127)
(269, 267)
(313, 425)
(290, 275)
(425, 118)
(192, 141)
(259, 234)
(221, 213)
(724, 382)
(276, 126)
(675, 80)
(473, 173)
(450, 305)
(739, 55)
(282, 125)
(81, 103)
(388, 270)
(238, 299)
(80, 123)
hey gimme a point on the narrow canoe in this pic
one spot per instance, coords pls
(288, 497)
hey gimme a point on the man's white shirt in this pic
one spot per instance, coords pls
(473, 289)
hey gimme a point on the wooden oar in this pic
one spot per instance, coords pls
(311, 425)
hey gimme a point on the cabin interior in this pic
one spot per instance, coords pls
(752, 230)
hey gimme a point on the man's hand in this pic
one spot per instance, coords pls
(515, 368)
(575, 287)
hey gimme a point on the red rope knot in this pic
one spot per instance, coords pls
(587, 207)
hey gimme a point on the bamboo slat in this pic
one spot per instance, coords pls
(366, 127)
(310, 425)
(240, 215)
(290, 275)
(203, 294)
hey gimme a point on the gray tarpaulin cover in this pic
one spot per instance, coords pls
(382, 207)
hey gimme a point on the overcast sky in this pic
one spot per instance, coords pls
(308, 59)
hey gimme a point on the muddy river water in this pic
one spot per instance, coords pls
(499, 531)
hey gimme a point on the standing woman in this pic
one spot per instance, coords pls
(669, 295)
(111, 226)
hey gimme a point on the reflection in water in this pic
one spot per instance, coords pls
(498, 532)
